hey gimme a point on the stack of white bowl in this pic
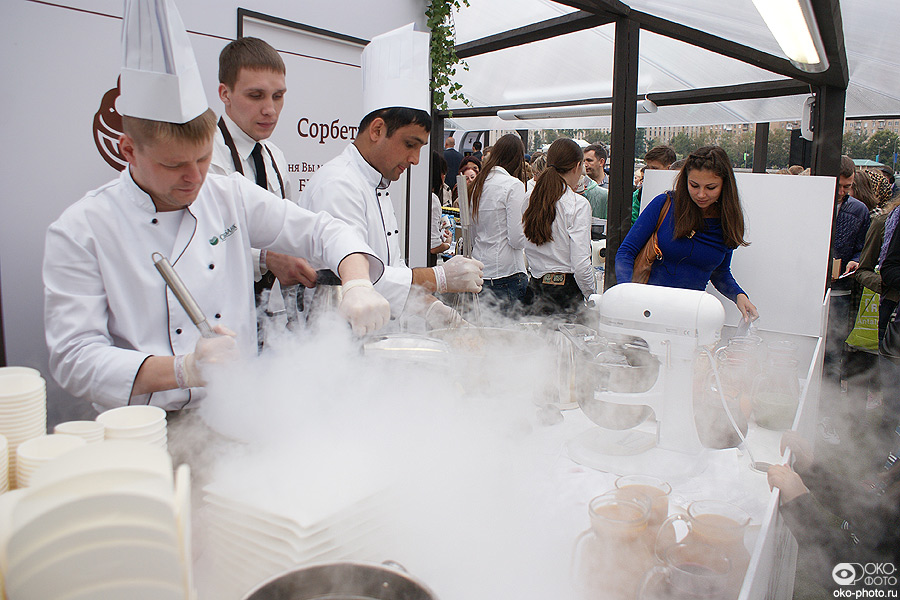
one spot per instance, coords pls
(102, 522)
(23, 410)
(4, 464)
(251, 543)
(139, 423)
(37, 451)
(90, 431)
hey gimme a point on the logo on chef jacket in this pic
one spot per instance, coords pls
(224, 235)
(107, 129)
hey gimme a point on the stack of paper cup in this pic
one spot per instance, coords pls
(91, 431)
(4, 464)
(23, 410)
(102, 522)
(40, 450)
(139, 423)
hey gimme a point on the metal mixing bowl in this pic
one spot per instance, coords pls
(622, 369)
(343, 581)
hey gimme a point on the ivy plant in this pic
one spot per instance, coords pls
(439, 14)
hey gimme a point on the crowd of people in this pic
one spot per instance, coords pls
(841, 496)
(533, 221)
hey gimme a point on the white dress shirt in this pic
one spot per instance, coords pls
(436, 213)
(107, 309)
(352, 190)
(223, 163)
(570, 249)
(497, 230)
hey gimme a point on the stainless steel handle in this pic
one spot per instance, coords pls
(182, 294)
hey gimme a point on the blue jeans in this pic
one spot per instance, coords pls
(508, 291)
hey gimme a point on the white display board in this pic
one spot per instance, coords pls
(788, 224)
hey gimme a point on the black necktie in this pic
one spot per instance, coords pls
(259, 166)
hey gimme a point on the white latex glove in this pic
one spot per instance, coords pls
(189, 369)
(459, 274)
(441, 316)
(365, 309)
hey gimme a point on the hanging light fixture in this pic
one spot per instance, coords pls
(563, 112)
(794, 26)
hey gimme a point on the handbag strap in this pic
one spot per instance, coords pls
(654, 237)
(662, 214)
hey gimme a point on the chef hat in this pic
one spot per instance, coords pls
(396, 70)
(160, 79)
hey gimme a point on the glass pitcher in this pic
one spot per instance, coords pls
(720, 525)
(776, 393)
(690, 571)
(612, 556)
(713, 425)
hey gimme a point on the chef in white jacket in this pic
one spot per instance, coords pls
(354, 185)
(115, 332)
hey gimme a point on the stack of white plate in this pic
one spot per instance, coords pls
(138, 423)
(37, 451)
(102, 522)
(251, 543)
(4, 464)
(23, 410)
(90, 431)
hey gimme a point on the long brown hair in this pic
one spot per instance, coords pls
(563, 156)
(509, 153)
(689, 216)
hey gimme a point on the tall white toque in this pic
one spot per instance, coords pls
(160, 79)
(396, 70)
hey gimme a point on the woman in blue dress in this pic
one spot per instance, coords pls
(703, 225)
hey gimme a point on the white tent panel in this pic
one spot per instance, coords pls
(579, 65)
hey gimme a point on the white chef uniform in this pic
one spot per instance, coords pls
(353, 191)
(106, 307)
(395, 72)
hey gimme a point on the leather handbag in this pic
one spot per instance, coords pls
(889, 346)
(650, 253)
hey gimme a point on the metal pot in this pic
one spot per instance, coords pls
(343, 581)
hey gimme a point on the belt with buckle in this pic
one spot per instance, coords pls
(554, 279)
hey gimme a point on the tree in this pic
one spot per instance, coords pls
(779, 150)
(640, 143)
(882, 145)
(682, 143)
(854, 144)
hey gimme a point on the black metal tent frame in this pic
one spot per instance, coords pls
(829, 88)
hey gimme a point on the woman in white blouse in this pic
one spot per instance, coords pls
(496, 198)
(557, 225)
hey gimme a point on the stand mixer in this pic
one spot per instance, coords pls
(675, 323)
